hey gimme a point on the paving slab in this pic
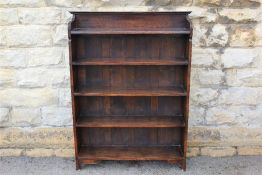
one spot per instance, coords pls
(237, 165)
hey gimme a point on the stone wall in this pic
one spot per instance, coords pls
(226, 93)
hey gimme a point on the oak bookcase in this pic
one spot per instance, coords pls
(130, 82)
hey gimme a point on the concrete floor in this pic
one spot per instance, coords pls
(249, 165)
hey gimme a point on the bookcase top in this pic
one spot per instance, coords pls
(130, 23)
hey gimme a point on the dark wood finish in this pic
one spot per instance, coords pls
(131, 122)
(130, 81)
(132, 62)
(137, 47)
(130, 85)
(129, 106)
(130, 136)
(119, 92)
(130, 21)
(79, 31)
(131, 153)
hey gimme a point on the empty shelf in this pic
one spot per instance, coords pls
(131, 121)
(117, 61)
(131, 153)
(134, 92)
(80, 31)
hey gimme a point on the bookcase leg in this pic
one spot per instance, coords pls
(182, 164)
(77, 165)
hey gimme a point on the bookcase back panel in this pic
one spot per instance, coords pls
(129, 77)
(130, 106)
(130, 136)
(144, 47)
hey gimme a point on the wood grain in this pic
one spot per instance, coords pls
(132, 92)
(132, 62)
(130, 85)
(103, 31)
(131, 153)
(131, 122)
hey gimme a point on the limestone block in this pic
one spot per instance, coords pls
(258, 34)
(64, 152)
(39, 152)
(203, 95)
(60, 36)
(203, 57)
(253, 117)
(41, 77)
(210, 35)
(8, 16)
(109, 8)
(258, 60)
(36, 137)
(64, 3)
(66, 56)
(56, 116)
(166, 2)
(240, 15)
(244, 116)
(139, 2)
(242, 136)
(28, 35)
(250, 77)
(202, 136)
(45, 56)
(25, 116)
(241, 3)
(238, 57)
(158, 2)
(225, 116)
(93, 4)
(249, 151)
(193, 152)
(13, 58)
(240, 95)
(208, 2)
(65, 97)
(207, 76)
(218, 36)
(39, 15)
(218, 151)
(196, 115)
(199, 38)
(112, 3)
(228, 136)
(200, 15)
(243, 37)
(22, 3)
(2, 37)
(6, 77)
(4, 152)
(66, 16)
(28, 97)
(4, 115)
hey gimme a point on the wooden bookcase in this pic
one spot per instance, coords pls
(130, 75)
